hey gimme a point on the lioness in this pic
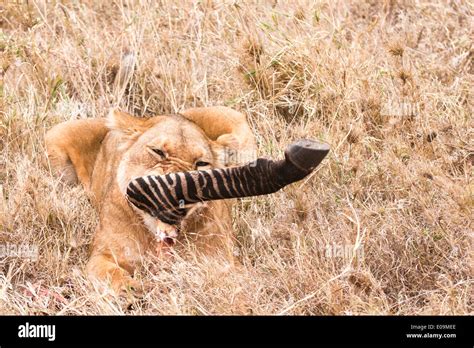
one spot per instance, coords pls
(105, 154)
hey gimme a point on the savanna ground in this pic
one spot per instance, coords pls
(384, 226)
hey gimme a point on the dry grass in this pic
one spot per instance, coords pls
(387, 83)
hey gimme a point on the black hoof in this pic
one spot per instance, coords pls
(306, 154)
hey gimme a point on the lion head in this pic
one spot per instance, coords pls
(161, 145)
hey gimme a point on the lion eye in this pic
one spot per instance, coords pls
(159, 152)
(202, 164)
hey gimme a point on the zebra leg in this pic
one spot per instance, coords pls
(167, 197)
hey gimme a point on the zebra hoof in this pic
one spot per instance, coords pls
(306, 154)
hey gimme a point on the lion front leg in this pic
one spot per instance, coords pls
(104, 269)
(114, 259)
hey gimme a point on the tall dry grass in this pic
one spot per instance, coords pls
(384, 226)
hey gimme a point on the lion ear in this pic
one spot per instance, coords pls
(233, 140)
(127, 124)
